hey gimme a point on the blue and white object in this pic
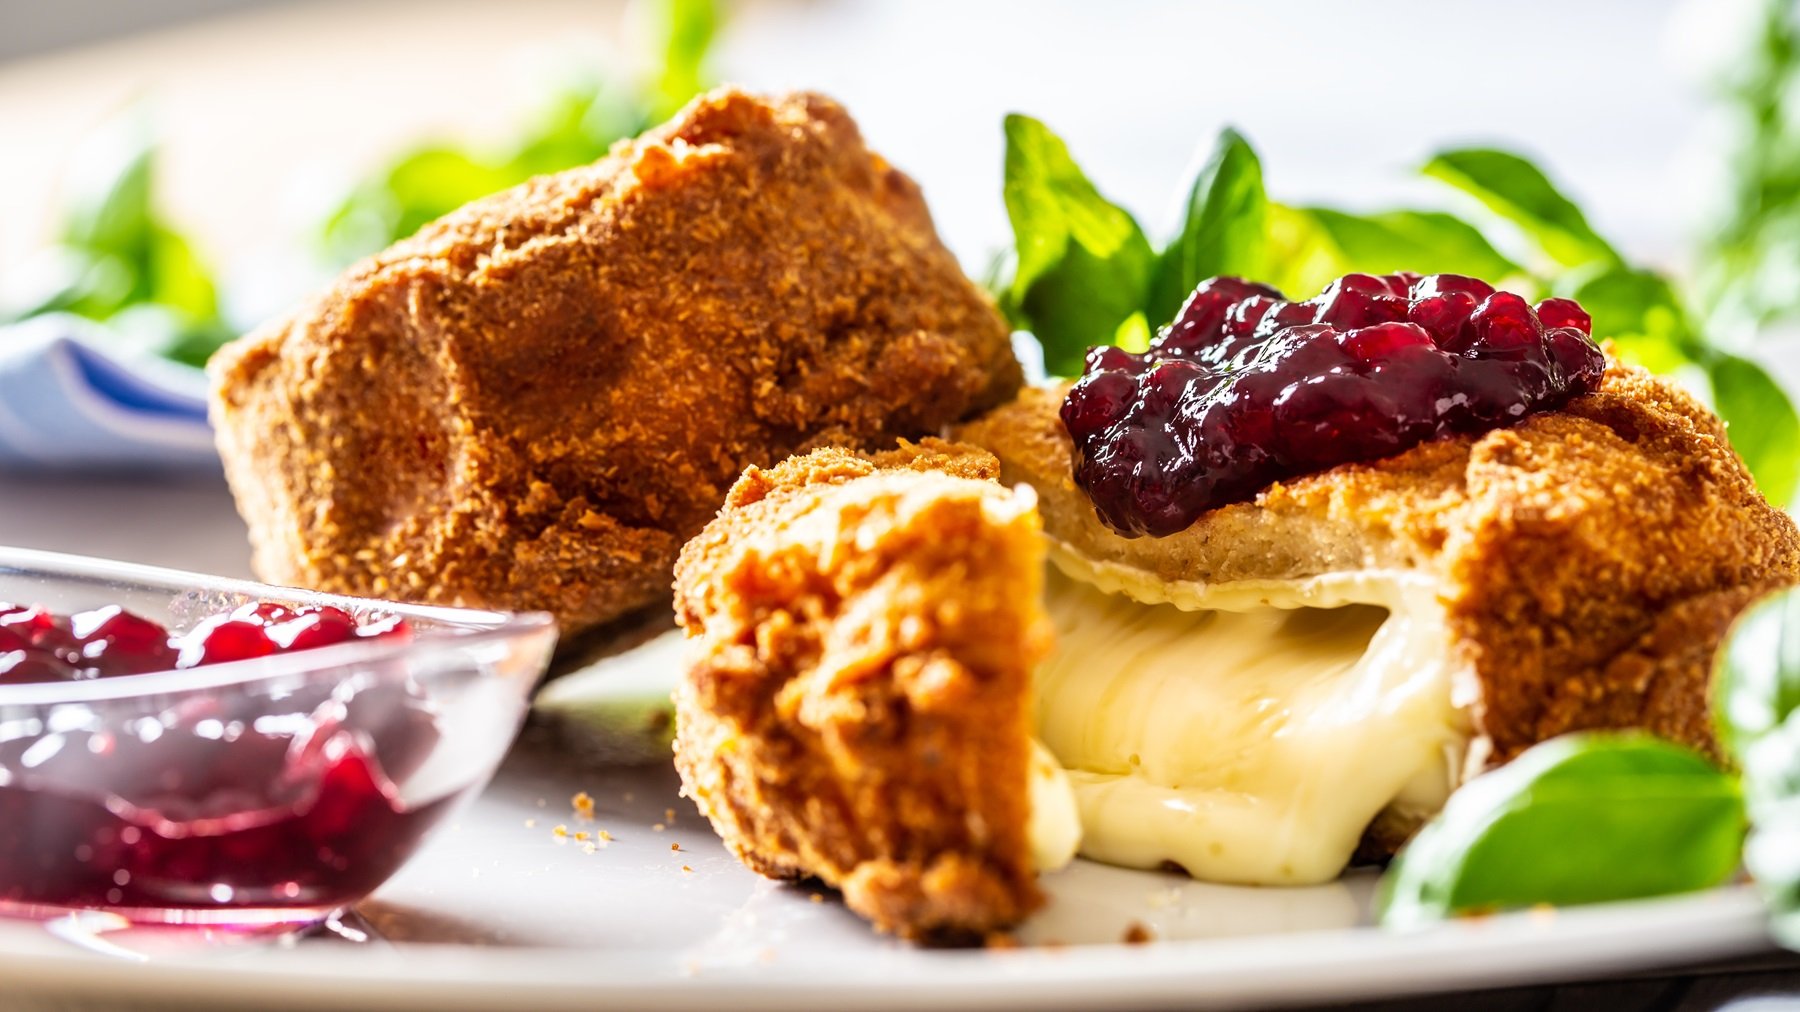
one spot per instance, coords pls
(70, 402)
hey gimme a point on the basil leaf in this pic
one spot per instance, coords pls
(109, 191)
(1082, 262)
(1758, 683)
(1640, 311)
(1428, 242)
(1763, 427)
(1517, 190)
(1301, 258)
(1757, 694)
(1584, 818)
(685, 31)
(1222, 229)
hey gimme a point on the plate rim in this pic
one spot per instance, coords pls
(1298, 967)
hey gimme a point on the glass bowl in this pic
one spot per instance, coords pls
(265, 792)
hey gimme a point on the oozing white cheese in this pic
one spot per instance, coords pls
(1247, 733)
(1054, 831)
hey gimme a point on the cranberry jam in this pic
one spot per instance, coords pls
(39, 646)
(1246, 388)
(258, 805)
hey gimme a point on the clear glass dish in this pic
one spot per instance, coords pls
(265, 792)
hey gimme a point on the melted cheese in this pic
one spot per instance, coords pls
(1054, 831)
(1248, 733)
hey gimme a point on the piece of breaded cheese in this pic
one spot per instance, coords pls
(858, 704)
(1589, 559)
(533, 402)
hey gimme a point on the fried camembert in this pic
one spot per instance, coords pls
(1289, 683)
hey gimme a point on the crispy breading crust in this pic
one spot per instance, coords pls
(1590, 558)
(859, 705)
(536, 400)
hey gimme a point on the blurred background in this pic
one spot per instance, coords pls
(180, 170)
(262, 107)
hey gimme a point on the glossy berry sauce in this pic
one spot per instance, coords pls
(1245, 388)
(223, 801)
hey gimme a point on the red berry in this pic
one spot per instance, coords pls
(219, 641)
(1565, 313)
(319, 628)
(1241, 319)
(1357, 300)
(1505, 323)
(264, 612)
(1440, 284)
(390, 627)
(23, 667)
(1245, 389)
(1384, 340)
(113, 641)
(1106, 358)
(1446, 316)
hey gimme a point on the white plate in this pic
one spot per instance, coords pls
(500, 911)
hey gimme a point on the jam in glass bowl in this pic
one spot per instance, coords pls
(267, 775)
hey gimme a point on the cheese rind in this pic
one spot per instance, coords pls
(1252, 733)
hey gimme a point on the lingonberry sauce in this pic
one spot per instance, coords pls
(37, 645)
(1245, 388)
(221, 802)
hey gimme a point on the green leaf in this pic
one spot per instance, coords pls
(1626, 301)
(1757, 693)
(178, 280)
(1301, 258)
(1758, 683)
(1223, 227)
(1428, 242)
(1584, 818)
(1764, 429)
(684, 32)
(109, 190)
(577, 126)
(1083, 263)
(1517, 190)
(616, 709)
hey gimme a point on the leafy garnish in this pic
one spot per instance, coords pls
(1083, 263)
(1072, 293)
(1763, 426)
(686, 29)
(1584, 818)
(1424, 241)
(1750, 266)
(1758, 695)
(118, 261)
(1223, 227)
(576, 126)
(1520, 192)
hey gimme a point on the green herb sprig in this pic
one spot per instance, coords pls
(1759, 720)
(576, 126)
(1086, 273)
(1613, 816)
(1584, 818)
(118, 260)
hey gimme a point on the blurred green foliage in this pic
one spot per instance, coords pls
(576, 126)
(1749, 273)
(118, 261)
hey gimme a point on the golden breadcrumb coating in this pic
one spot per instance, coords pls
(864, 631)
(1590, 558)
(537, 399)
